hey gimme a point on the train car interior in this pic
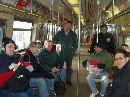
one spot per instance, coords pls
(25, 21)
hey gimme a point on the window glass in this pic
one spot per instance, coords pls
(22, 34)
(21, 38)
(1, 36)
(22, 25)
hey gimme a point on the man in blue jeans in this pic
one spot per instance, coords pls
(102, 56)
(69, 43)
(48, 60)
(9, 62)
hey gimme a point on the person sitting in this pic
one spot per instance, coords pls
(106, 38)
(95, 67)
(8, 67)
(120, 85)
(126, 47)
(48, 60)
(36, 72)
(101, 56)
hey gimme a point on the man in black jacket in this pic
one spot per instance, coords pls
(120, 84)
(105, 37)
(8, 64)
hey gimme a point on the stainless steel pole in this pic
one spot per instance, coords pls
(58, 21)
(78, 68)
(113, 5)
(98, 2)
(31, 3)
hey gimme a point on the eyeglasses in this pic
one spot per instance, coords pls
(120, 58)
(36, 46)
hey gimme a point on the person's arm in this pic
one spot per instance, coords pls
(42, 62)
(3, 69)
(6, 67)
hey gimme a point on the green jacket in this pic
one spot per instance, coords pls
(69, 43)
(47, 60)
(104, 57)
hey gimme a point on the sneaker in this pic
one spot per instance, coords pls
(94, 94)
(52, 94)
(101, 95)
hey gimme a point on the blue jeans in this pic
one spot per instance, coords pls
(41, 85)
(104, 82)
(6, 93)
(50, 84)
(61, 74)
(68, 60)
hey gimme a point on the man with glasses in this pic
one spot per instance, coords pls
(36, 72)
(101, 57)
(120, 86)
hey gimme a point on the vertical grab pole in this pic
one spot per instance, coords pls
(31, 3)
(58, 21)
(78, 67)
(113, 5)
(97, 20)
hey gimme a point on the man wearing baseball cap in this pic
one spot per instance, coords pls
(103, 57)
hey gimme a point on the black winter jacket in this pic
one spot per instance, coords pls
(107, 39)
(38, 71)
(119, 86)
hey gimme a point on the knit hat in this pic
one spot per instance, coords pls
(7, 40)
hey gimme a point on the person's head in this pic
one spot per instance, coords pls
(35, 47)
(103, 28)
(99, 47)
(67, 25)
(48, 44)
(121, 57)
(9, 46)
(124, 46)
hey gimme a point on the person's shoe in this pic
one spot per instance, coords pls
(52, 94)
(94, 94)
(69, 83)
(101, 95)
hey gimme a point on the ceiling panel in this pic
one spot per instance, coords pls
(89, 9)
(61, 6)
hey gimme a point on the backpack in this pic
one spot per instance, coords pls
(59, 87)
(19, 81)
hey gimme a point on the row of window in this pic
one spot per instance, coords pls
(22, 32)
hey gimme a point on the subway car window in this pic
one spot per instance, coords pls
(21, 34)
(2, 31)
